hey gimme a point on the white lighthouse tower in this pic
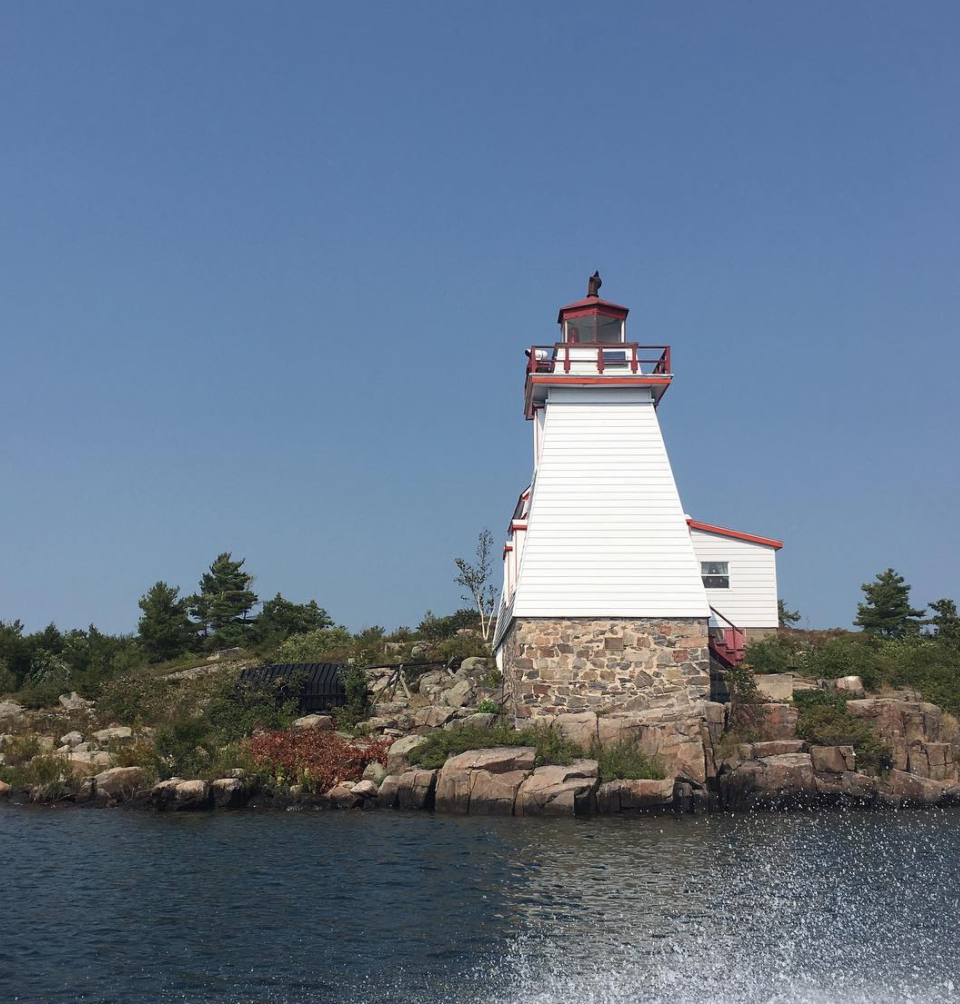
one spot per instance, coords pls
(604, 603)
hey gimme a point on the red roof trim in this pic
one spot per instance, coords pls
(722, 531)
(594, 303)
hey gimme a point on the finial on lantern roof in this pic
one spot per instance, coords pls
(594, 284)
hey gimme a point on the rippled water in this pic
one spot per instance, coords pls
(125, 907)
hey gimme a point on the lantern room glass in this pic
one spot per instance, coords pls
(594, 327)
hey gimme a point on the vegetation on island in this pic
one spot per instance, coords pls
(174, 684)
(899, 646)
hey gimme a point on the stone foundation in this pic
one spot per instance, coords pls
(559, 665)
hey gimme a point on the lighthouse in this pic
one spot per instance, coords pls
(606, 603)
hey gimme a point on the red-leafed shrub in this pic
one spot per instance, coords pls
(318, 760)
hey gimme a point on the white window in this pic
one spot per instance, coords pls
(715, 574)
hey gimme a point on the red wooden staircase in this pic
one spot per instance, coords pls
(728, 641)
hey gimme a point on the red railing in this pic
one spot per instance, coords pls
(609, 355)
(728, 642)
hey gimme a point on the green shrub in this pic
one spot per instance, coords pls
(8, 679)
(803, 699)
(236, 709)
(825, 721)
(927, 665)
(48, 776)
(354, 680)
(331, 644)
(742, 685)
(846, 655)
(488, 707)
(20, 749)
(183, 749)
(624, 760)
(732, 738)
(434, 628)
(442, 744)
(771, 655)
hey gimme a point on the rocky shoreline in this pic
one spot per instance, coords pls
(695, 748)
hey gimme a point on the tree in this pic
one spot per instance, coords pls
(887, 611)
(280, 618)
(476, 580)
(164, 627)
(224, 600)
(945, 621)
(787, 618)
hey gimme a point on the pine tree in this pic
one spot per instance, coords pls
(164, 627)
(280, 618)
(224, 600)
(787, 618)
(887, 611)
(945, 621)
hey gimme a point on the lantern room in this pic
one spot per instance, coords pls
(593, 349)
(593, 321)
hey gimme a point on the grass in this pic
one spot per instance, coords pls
(550, 745)
(624, 760)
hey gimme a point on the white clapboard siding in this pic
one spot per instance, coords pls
(606, 534)
(751, 600)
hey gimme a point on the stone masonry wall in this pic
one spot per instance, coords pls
(557, 665)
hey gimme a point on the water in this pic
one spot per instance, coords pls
(117, 907)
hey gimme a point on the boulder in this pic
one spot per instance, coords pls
(47, 744)
(97, 758)
(322, 723)
(121, 735)
(371, 725)
(365, 789)
(484, 782)
(775, 782)
(344, 797)
(181, 795)
(5, 739)
(398, 758)
(75, 703)
(679, 738)
(119, 783)
(932, 760)
(474, 666)
(388, 792)
(642, 796)
(852, 686)
(82, 766)
(579, 728)
(433, 717)
(902, 788)
(71, 739)
(833, 759)
(430, 683)
(228, 793)
(775, 686)
(416, 789)
(374, 772)
(492, 794)
(460, 694)
(193, 795)
(559, 791)
(482, 720)
(846, 787)
(777, 721)
(4, 789)
(10, 712)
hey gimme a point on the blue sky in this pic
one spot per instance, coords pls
(267, 272)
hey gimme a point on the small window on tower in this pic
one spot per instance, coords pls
(716, 574)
